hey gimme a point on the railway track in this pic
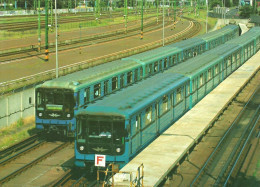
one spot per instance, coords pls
(30, 157)
(230, 147)
(15, 26)
(32, 50)
(221, 152)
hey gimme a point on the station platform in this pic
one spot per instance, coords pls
(165, 152)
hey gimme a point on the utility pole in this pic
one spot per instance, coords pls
(46, 31)
(125, 16)
(56, 36)
(142, 16)
(157, 11)
(163, 23)
(207, 4)
(39, 26)
(175, 10)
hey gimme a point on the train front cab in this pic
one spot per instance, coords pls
(100, 135)
(55, 110)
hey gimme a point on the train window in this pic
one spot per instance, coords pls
(136, 75)
(148, 115)
(160, 65)
(106, 87)
(114, 83)
(86, 95)
(194, 84)
(137, 123)
(216, 69)
(141, 72)
(165, 63)
(201, 79)
(121, 81)
(173, 59)
(229, 61)
(187, 90)
(97, 90)
(170, 61)
(238, 56)
(178, 95)
(165, 103)
(129, 77)
(150, 69)
(155, 66)
(209, 74)
(39, 100)
(233, 57)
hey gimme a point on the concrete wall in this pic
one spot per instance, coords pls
(15, 106)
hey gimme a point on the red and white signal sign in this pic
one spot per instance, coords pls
(100, 160)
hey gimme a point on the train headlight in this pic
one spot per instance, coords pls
(40, 114)
(118, 150)
(81, 148)
(68, 115)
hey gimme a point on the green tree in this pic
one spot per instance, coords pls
(245, 11)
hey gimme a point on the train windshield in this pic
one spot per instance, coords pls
(101, 132)
(54, 103)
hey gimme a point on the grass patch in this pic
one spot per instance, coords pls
(257, 168)
(16, 132)
(202, 19)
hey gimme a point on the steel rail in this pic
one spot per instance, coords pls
(61, 180)
(19, 145)
(244, 145)
(34, 162)
(222, 139)
(4, 162)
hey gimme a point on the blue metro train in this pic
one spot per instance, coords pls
(122, 124)
(58, 100)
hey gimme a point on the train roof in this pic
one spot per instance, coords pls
(247, 37)
(162, 52)
(195, 66)
(135, 98)
(220, 32)
(89, 76)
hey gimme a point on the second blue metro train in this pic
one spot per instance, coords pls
(122, 124)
